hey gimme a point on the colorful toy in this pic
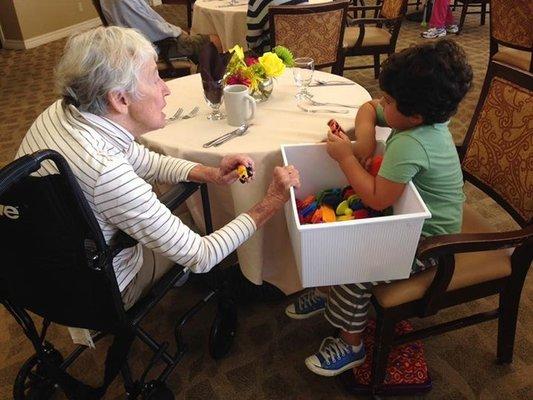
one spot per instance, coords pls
(328, 215)
(375, 165)
(245, 172)
(335, 128)
(334, 205)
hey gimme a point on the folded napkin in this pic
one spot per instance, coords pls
(212, 67)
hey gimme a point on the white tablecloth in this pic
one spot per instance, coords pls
(267, 255)
(229, 23)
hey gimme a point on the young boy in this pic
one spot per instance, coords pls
(422, 87)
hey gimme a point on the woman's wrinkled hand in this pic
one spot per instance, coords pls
(283, 179)
(227, 171)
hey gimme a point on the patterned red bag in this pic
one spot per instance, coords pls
(407, 370)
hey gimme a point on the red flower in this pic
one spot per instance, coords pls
(250, 61)
(238, 79)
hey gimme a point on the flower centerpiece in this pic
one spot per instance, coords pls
(257, 72)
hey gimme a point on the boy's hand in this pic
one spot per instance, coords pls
(339, 146)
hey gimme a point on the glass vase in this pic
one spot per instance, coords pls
(263, 91)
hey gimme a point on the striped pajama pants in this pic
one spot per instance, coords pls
(347, 305)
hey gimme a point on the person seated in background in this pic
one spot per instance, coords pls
(258, 24)
(422, 88)
(139, 15)
(111, 95)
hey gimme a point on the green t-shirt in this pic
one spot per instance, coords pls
(427, 156)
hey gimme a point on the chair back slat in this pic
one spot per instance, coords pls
(392, 9)
(314, 31)
(55, 262)
(497, 154)
(510, 22)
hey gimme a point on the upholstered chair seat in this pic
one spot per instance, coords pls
(514, 57)
(511, 33)
(374, 36)
(496, 265)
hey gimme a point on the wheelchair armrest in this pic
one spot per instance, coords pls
(177, 194)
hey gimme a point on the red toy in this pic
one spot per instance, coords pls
(375, 165)
(335, 128)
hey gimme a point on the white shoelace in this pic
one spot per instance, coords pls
(333, 349)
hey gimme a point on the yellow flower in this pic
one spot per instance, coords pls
(238, 51)
(272, 64)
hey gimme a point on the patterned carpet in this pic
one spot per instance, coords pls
(267, 359)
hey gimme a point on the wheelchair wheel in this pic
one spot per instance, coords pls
(223, 331)
(32, 381)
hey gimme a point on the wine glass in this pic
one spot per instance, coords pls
(213, 96)
(303, 73)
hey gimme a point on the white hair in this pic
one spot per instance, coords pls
(100, 61)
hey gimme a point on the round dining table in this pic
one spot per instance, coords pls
(279, 120)
(226, 19)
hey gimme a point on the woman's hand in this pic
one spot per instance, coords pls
(282, 180)
(339, 146)
(227, 171)
(277, 194)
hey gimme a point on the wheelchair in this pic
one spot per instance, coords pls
(57, 265)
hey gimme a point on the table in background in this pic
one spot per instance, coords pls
(268, 254)
(229, 23)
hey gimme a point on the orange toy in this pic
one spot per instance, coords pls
(328, 215)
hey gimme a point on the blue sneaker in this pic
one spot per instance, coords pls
(334, 357)
(307, 305)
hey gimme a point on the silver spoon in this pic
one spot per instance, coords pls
(243, 129)
(225, 136)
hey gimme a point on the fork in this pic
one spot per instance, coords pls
(176, 115)
(192, 113)
(309, 110)
(318, 103)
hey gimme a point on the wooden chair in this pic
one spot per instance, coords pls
(465, 4)
(167, 66)
(512, 46)
(314, 31)
(378, 38)
(188, 3)
(496, 157)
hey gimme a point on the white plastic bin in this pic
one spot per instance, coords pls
(371, 249)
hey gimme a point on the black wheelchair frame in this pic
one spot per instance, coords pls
(43, 372)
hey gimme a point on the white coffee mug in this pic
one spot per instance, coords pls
(240, 106)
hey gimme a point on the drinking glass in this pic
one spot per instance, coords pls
(303, 73)
(213, 96)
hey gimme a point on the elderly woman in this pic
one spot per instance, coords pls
(112, 94)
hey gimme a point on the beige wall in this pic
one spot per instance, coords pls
(39, 17)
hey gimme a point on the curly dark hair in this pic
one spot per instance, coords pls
(429, 80)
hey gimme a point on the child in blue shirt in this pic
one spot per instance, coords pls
(422, 87)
